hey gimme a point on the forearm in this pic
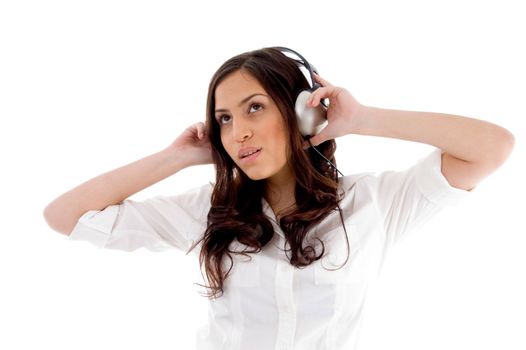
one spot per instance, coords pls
(464, 138)
(111, 188)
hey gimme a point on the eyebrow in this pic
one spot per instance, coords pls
(241, 103)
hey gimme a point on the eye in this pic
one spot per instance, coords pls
(220, 118)
(256, 104)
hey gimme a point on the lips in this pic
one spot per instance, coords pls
(249, 159)
(246, 151)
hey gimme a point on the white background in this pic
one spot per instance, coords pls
(89, 86)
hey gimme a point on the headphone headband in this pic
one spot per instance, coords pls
(310, 68)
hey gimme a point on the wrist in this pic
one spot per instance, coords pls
(359, 119)
(175, 156)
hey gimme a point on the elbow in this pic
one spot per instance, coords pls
(506, 146)
(56, 222)
(499, 147)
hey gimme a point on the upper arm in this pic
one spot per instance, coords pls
(466, 175)
(463, 174)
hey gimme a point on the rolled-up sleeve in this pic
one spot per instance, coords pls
(407, 199)
(157, 224)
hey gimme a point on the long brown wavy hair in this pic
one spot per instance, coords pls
(236, 201)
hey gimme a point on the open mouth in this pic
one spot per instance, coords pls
(251, 156)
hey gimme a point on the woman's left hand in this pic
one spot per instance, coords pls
(342, 112)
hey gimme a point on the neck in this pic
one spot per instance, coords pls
(280, 193)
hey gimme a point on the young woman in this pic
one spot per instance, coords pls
(288, 247)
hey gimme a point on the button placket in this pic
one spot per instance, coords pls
(285, 303)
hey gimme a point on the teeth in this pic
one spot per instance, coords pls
(248, 154)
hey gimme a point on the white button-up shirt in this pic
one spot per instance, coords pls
(267, 302)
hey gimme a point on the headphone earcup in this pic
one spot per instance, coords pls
(311, 120)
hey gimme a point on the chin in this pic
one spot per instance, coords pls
(255, 175)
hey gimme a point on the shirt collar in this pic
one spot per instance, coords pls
(267, 210)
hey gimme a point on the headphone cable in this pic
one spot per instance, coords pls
(310, 143)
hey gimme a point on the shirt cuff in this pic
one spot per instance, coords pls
(432, 183)
(95, 226)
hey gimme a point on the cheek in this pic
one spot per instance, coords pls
(227, 148)
(279, 147)
(277, 128)
(282, 138)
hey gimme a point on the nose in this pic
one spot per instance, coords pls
(241, 130)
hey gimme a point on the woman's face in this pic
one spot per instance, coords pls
(255, 121)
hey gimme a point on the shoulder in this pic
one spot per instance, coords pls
(349, 181)
(423, 167)
(194, 198)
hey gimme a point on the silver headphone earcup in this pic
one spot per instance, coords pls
(311, 120)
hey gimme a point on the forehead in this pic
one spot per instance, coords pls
(234, 87)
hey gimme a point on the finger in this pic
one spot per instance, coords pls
(200, 130)
(318, 94)
(314, 140)
(310, 99)
(314, 97)
(321, 80)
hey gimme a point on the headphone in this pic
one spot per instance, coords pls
(310, 120)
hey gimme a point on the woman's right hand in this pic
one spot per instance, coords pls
(193, 145)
